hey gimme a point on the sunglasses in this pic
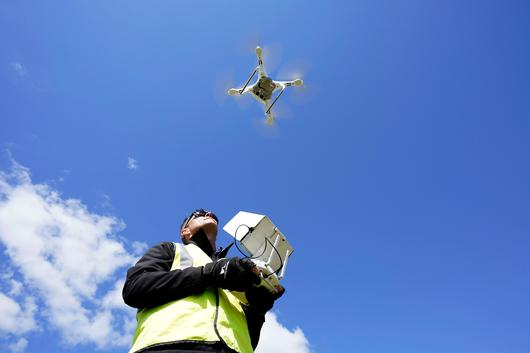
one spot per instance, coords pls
(201, 213)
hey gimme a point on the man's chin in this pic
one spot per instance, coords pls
(210, 227)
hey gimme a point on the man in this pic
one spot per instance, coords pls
(191, 298)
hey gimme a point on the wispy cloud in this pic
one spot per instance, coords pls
(17, 319)
(21, 77)
(19, 69)
(132, 163)
(18, 346)
(65, 174)
(70, 257)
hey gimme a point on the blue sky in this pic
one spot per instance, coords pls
(400, 176)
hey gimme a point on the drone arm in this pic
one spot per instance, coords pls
(260, 67)
(283, 84)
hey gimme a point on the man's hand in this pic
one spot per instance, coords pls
(233, 274)
(261, 299)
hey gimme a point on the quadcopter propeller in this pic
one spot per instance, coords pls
(272, 57)
(271, 52)
(293, 70)
(266, 129)
(224, 81)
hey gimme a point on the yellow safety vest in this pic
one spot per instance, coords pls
(212, 316)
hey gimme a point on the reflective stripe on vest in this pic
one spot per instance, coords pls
(212, 316)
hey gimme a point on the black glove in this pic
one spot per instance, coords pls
(261, 299)
(232, 274)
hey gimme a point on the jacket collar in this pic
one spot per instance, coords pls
(201, 240)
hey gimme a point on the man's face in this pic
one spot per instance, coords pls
(204, 221)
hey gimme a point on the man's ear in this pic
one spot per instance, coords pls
(185, 233)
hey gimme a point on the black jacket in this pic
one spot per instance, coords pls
(150, 283)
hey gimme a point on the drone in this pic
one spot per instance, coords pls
(264, 87)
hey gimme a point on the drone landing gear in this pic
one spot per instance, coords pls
(269, 119)
(269, 107)
(283, 85)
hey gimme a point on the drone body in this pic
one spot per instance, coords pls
(264, 87)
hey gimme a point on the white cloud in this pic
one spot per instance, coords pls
(18, 346)
(113, 299)
(65, 174)
(66, 267)
(132, 163)
(139, 248)
(68, 257)
(17, 319)
(19, 69)
(16, 287)
(277, 338)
